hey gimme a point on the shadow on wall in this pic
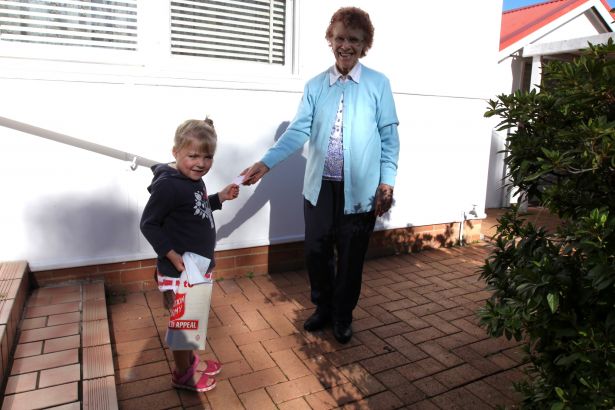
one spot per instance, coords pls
(74, 226)
(408, 240)
(282, 188)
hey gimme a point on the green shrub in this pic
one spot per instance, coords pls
(556, 290)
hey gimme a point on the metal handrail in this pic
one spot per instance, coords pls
(134, 160)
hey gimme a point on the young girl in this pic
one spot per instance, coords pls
(178, 218)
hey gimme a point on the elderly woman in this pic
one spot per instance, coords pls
(347, 114)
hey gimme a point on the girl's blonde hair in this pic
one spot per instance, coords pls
(199, 132)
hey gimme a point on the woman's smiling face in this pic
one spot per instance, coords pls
(347, 46)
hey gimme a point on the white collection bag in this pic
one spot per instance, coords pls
(187, 328)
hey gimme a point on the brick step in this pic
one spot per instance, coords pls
(62, 355)
(14, 289)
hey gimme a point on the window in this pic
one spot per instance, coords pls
(249, 30)
(97, 23)
(149, 32)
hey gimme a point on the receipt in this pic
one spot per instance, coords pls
(196, 268)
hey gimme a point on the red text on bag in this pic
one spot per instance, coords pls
(184, 324)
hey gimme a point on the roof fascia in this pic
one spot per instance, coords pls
(603, 10)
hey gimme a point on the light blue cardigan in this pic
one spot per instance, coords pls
(371, 141)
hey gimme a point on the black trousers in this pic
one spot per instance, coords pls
(335, 282)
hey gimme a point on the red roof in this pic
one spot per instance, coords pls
(519, 23)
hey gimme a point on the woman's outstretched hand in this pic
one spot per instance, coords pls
(253, 174)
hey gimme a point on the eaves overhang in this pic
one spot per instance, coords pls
(572, 46)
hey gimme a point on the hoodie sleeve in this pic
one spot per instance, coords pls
(160, 203)
(214, 202)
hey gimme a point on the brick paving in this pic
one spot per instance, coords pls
(417, 343)
(537, 215)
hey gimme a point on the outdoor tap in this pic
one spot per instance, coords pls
(473, 211)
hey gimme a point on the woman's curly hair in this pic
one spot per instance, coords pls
(355, 18)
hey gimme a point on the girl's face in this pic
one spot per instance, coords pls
(192, 162)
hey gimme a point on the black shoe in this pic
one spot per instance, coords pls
(317, 321)
(342, 332)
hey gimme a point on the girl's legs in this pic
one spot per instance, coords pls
(168, 297)
(183, 360)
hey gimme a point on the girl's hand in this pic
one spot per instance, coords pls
(229, 192)
(176, 260)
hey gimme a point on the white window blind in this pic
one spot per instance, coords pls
(87, 23)
(249, 30)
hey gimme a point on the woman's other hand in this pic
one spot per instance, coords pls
(384, 199)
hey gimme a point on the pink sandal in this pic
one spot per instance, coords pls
(213, 368)
(205, 382)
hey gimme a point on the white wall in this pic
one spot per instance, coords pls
(64, 206)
